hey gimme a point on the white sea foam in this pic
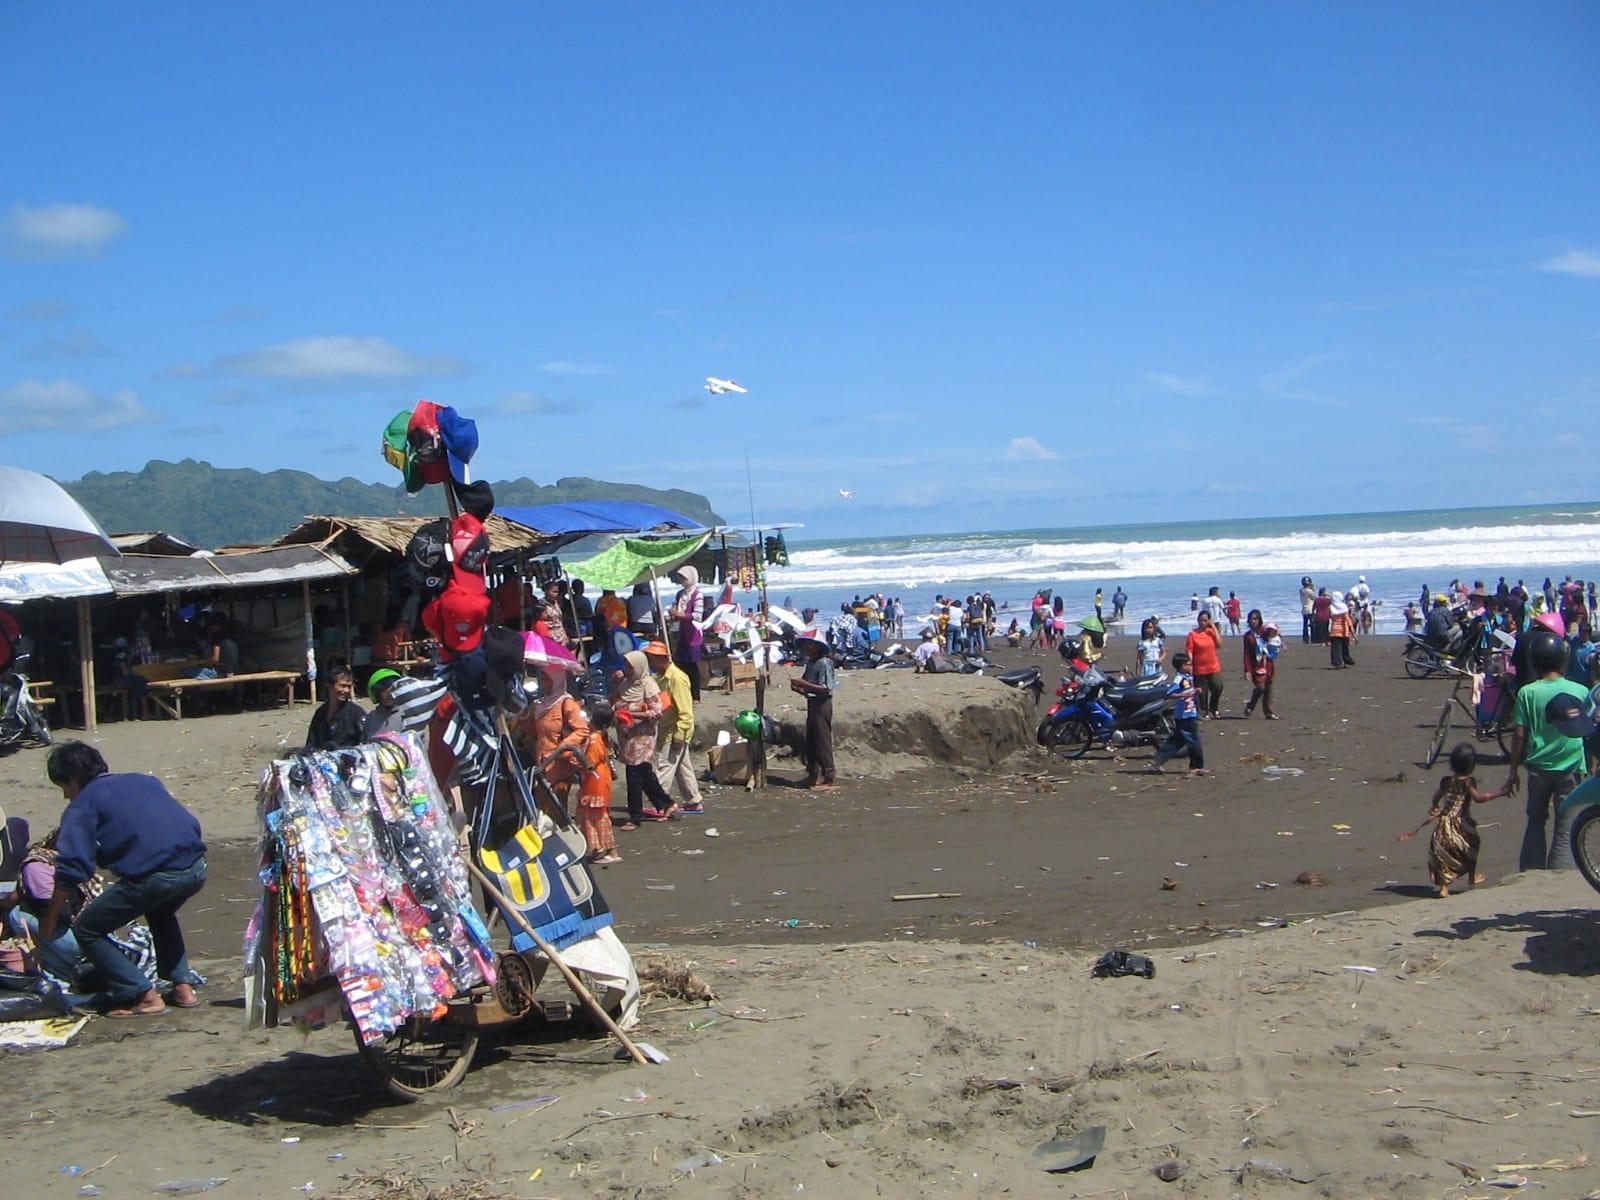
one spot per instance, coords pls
(930, 562)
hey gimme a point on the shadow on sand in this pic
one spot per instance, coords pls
(1560, 941)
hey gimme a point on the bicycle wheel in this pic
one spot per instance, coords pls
(1503, 724)
(1441, 731)
(421, 1056)
(1586, 845)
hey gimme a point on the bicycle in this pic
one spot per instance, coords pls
(1494, 723)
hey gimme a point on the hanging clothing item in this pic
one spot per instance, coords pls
(777, 552)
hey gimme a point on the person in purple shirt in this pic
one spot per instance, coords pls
(129, 825)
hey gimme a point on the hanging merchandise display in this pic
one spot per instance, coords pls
(430, 444)
(366, 905)
(777, 552)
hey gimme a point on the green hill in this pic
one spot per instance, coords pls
(214, 506)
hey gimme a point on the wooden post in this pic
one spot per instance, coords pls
(86, 667)
(311, 640)
(349, 636)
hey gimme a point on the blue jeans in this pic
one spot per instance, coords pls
(156, 898)
(1546, 791)
(60, 957)
(1185, 736)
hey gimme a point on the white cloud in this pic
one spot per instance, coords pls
(60, 230)
(1028, 449)
(183, 370)
(77, 344)
(1583, 263)
(1179, 385)
(562, 367)
(67, 404)
(1289, 382)
(338, 360)
(515, 404)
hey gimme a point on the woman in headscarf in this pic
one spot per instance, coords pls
(553, 724)
(687, 611)
(1261, 645)
(636, 701)
(1341, 628)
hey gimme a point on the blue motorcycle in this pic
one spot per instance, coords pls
(1093, 710)
(1586, 828)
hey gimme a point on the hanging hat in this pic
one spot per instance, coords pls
(430, 443)
(475, 498)
(1569, 714)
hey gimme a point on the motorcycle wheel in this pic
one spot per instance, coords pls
(1419, 663)
(1071, 739)
(1586, 845)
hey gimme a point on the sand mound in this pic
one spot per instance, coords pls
(885, 722)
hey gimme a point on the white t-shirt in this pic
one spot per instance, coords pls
(926, 651)
(1214, 605)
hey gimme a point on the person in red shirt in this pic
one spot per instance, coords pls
(1204, 646)
(394, 634)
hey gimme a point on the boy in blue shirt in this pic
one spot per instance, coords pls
(1186, 719)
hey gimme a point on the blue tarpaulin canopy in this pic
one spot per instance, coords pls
(568, 523)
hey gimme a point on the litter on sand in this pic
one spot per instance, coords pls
(1070, 1154)
(1276, 772)
(44, 1033)
(1363, 970)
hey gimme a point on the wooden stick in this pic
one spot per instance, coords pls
(926, 896)
(549, 951)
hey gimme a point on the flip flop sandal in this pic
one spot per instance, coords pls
(195, 1003)
(127, 1014)
(627, 827)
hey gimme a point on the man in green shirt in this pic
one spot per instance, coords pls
(1545, 710)
(676, 764)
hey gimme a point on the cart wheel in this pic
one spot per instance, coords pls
(1504, 723)
(420, 1057)
(1442, 731)
(1586, 845)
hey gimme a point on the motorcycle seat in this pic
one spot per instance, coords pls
(1021, 677)
(1140, 691)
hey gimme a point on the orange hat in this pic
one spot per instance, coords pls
(657, 650)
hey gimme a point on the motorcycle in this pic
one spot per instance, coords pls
(1585, 798)
(1093, 710)
(20, 719)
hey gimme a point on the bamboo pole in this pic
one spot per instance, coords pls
(86, 665)
(549, 951)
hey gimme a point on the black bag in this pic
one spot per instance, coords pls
(1119, 962)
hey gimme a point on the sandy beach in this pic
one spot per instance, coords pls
(927, 1047)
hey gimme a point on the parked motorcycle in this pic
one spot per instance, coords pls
(1585, 828)
(1093, 710)
(20, 719)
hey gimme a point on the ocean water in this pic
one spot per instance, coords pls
(1161, 565)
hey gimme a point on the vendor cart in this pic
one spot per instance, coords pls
(372, 910)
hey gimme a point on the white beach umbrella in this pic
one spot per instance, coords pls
(39, 522)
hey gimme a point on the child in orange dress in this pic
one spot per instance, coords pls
(594, 794)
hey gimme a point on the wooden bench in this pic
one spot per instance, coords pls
(161, 690)
(39, 692)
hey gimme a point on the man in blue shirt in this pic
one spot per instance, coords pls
(129, 825)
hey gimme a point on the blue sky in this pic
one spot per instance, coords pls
(986, 267)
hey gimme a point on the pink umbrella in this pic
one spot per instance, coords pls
(540, 651)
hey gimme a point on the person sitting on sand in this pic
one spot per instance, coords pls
(927, 651)
(1453, 849)
(129, 825)
(339, 721)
